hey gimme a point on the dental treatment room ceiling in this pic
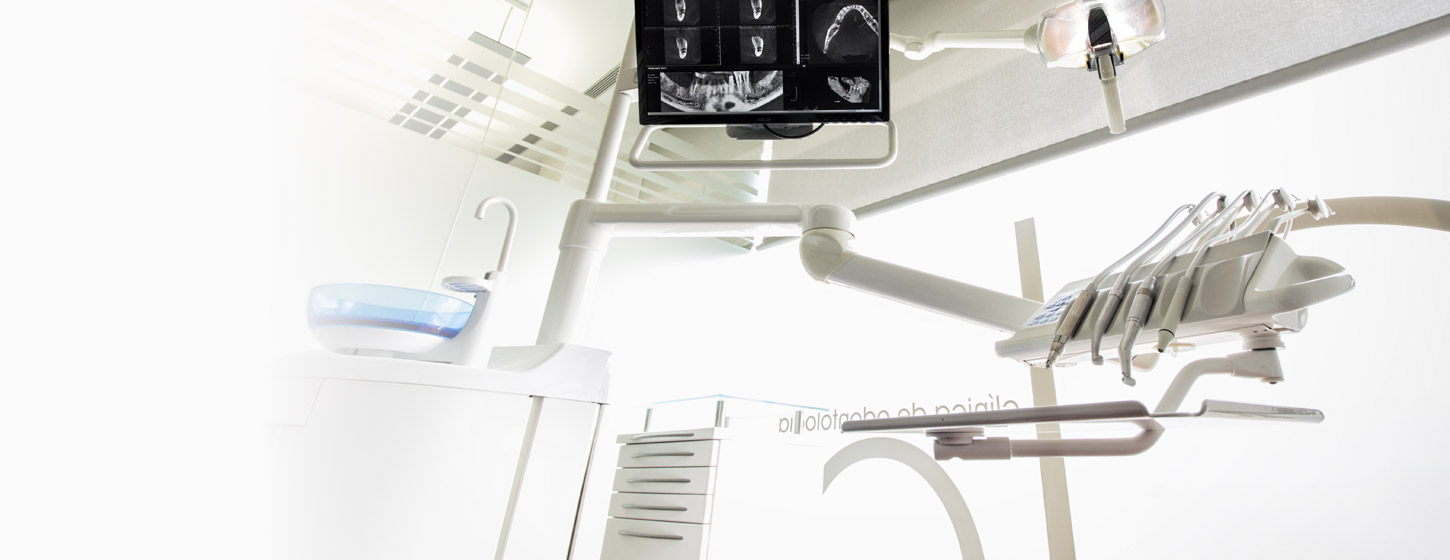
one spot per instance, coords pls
(440, 68)
(964, 116)
(523, 83)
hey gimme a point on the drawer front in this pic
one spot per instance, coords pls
(681, 508)
(668, 480)
(633, 539)
(678, 435)
(671, 454)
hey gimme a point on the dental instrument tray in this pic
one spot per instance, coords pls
(963, 435)
(762, 61)
(1257, 282)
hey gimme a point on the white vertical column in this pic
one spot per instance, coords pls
(1060, 545)
(577, 268)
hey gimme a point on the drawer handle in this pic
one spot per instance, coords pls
(673, 454)
(652, 536)
(652, 436)
(658, 480)
(656, 508)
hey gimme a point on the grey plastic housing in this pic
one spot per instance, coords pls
(1254, 283)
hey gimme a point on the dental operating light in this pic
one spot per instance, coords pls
(1094, 34)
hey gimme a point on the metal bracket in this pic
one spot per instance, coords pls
(637, 153)
(970, 444)
(963, 435)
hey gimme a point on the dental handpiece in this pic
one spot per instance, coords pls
(1173, 314)
(1071, 321)
(1141, 304)
(1120, 287)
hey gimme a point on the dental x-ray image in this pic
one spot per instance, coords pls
(721, 92)
(683, 46)
(683, 12)
(754, 12)
(758, 45)
(840, 90)
(845, 31)
(852, 89)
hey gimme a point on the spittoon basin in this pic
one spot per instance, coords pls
(349, 317)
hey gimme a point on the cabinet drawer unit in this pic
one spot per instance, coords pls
(678, 435)
(634, 539)
(682, 508)
(668, 480)
(669, 454)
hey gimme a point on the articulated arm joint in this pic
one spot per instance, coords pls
(825, 249)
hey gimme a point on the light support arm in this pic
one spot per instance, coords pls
(918, 48)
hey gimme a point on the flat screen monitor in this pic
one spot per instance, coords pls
(761, 61)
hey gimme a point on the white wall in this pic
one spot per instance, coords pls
(133, 198)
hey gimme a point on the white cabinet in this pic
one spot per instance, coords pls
(387, 470)
(712, 493)
(381, 459)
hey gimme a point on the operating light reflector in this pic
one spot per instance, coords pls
(1062, 37)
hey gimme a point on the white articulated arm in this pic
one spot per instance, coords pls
(825, 251)
(591, 224)
(918, 48)
(827, 256)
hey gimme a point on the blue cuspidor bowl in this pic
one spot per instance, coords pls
(348, 317)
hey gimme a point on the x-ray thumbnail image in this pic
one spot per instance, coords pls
(845, 89)
(683, 12)
(843, 31)
(721, 92)
(683, 46)
(758, 45)
(854, 90)
(754, 12)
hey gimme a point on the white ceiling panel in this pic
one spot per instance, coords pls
(966, 115)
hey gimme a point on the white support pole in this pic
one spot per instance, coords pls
(1052, 471)
(578, 266)
(609, 142)
(569, 295)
